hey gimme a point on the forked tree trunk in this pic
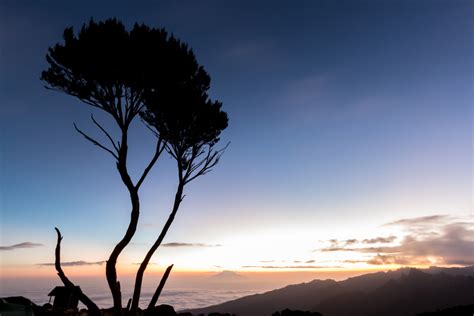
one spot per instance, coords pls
(141, 270)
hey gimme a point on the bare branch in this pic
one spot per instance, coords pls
(105, 132)
(207, 163)
(57, 262)
(95, 142)
(160, 287)
(93, 309)
(159, 150)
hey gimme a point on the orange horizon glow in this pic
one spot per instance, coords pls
(29, 271)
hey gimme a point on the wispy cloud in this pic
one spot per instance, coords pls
(351, 242)
(380, 240)
(22, 245)
(353, 261)
(73, 263)
(342, 245)
(424, 220)
(185, 244)
(294, 267)
(395, 259)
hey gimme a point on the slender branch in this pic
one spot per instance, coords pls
(86, 101)
(158, 151)
(95, 142)
(160, 287)
(119, 95)
(211, 159)
(93, 309)
(105, 132)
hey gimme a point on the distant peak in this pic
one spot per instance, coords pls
(227, 275)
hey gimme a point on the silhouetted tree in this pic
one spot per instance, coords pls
(120, 72)
(111, 69)
(182, 115)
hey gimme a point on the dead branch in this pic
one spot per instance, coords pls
(91, 306)
(160, 287)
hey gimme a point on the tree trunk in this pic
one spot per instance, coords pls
(110, 269)
(141, 270)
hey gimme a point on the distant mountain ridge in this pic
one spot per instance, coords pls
(401, 292)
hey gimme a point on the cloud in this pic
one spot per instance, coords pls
(354, 261)
(351, 241)
(73, 263)
(380, 240)
(437, 239)
(424, 220)
(342, 245)
(448, 243)
(310, 261)
(294, 267)
(331, 249)
(22, 245)
(394, 259)
(185, 244)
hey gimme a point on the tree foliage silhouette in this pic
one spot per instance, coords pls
(144, 72)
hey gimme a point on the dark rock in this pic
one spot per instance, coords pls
(161, 310)
(16, 305)
(288, 312)
(47, 306)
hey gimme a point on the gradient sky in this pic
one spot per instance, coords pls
(345, 117)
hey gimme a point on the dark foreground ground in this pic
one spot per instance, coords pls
(21, 306)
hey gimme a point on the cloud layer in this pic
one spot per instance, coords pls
(73, 263)
(294, 267)
(437, 239)
(185, 244)
(22, 245)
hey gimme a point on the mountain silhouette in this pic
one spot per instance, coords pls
(227, 276)
(401, 292)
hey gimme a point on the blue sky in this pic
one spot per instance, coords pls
(343, 116)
